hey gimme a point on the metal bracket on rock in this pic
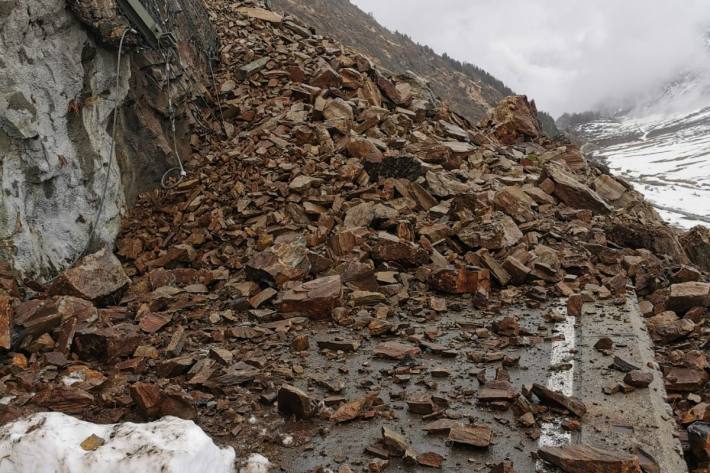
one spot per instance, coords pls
(143, 21)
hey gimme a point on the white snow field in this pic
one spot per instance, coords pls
(52, 443)
(665, 156)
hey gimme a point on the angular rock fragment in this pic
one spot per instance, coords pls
(696, 244)
(396, 351)
(441, 426)
(687, 295)
(394, 250)
(501, 232)
(66, 399)
(585, 459)
(315, 299)
(293, 401)
(353, 409)
(471, 436)
(261, 14)
(95, 277)
(638, 379)
(572, 192)
(461, 281)
(394, 441)
(572, 404)
(514, 120)
(699, 440)
(685, 379)
(430, 459)
(666, 327)
(518, 271)
(7, 315)
(348, 346)
(106, 344)
(281, 263)
(516, 203)
(497, 391)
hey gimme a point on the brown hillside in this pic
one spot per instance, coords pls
(470, 91)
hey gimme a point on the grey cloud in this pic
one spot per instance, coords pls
(570, 55)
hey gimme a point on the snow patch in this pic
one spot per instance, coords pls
(51, 442)
(256, 464)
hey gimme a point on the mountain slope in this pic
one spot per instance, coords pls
(469, 90)
(667, 157)
(660, 142)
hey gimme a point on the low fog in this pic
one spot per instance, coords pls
(569, 55)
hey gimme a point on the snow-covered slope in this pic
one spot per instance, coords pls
(661, 142)
(666, 156)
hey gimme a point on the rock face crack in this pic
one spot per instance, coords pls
(55, 121)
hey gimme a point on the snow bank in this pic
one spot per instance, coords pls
(52, 443)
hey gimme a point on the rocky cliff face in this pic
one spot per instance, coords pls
(58, 94)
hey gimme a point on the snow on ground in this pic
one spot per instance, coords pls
(52, 443)
(666, 157)
(256, 464)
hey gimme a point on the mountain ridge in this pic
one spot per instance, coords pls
(468, 89)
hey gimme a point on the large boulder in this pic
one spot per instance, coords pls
(315, 299)
(655, 237)
(687, 295)
(696, 243)
(96, 278)
(571, 191)
(514, 120)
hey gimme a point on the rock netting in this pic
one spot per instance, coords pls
(58, 96)
(338, 212)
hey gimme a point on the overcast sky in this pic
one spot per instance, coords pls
(569, 55)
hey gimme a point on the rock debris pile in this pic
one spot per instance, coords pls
(342, 246)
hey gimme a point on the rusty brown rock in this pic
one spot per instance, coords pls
(696, 243)
(67, 399)
(514, 119)
(394, 250)
(572, 404)
(471, 436)
(585, 459)
(96, 277)
(364, 149)
(282, 262)
(518, 271)
(574, 305)
(396, 351)
(462, 281)
(572, 192)
(353, 409)
(638, 379)
(515, 202)
(500, 232)
(293, 401)
(666, 327)
(106, 344)
(148, 398)
(315, 299)
(685, 379)
(7, 315)
(430, 459)
(503, 467)
(687, 295)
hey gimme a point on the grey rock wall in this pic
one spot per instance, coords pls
(58, 95)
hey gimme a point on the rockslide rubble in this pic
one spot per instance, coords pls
(336, 212)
